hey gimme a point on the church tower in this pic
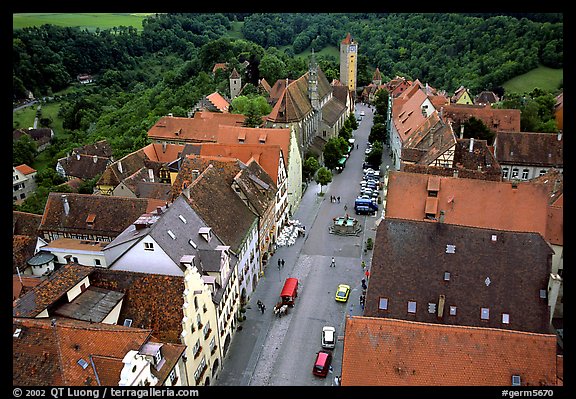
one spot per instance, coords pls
(348, 63)
(313, 94)
(235, 84)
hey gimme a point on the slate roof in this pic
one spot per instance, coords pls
(529, 148)
(500, 270)
(49, 355)
(113, 214)
(332, 111)
(381, 351)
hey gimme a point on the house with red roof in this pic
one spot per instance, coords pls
(392, 352)
(23, 182)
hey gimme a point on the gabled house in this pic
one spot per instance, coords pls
(23, 182)
(526, 155)
(486, 98)
(450, 274)
(214, 102)
(214, 198)
(177, 243)
(24, 236)
(99, 148)
(79, 353)
(80, 166)
(90, 217)
(534, 206)
(137, 164)
(461, 96)
(384, 351)
(41, 136)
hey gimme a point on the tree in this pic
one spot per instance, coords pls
(378, 133)
(310, 167)
(23, 151)
(374, 158)
(323, 177)
(335, 148)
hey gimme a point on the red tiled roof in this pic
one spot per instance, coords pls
(379, 351)
(218, 101)
(470, 202)
(25, 169)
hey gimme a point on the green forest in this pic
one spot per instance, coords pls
(166, 67)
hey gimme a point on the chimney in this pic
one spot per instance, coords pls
(471, 144)
(151, 175)
(461, 131)
(77, 157)
(559, 135)
(186, 189)
(66, 205)
(120, 166)
(455, 173)
(441, 301)
(95, 158)
(163, 146)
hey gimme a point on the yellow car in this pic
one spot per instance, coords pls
(342, 293)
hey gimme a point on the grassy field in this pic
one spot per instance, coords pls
(90, 21)
(542, 77)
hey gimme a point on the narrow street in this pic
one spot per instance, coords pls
(271, 351)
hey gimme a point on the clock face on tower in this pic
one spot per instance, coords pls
(352, 48)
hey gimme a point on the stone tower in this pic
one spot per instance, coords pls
(313, 94)
(348, 63)
(235, 84)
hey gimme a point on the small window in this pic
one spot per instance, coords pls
(411, 307)
(543, 294)
(452, 310)
(97, 262)
(383, 304)
(525, 174)
(485, 314)
(446, 276)
(516, 381)
(149, 246)
(514, 173)
(505, 318)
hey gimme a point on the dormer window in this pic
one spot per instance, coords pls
(158, 356)
(206, 233)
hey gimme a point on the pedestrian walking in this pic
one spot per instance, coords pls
(263, 308)
(282, 263)
(259, 303)
(279, 263)
(333, 264)
(338, 199)
(337, 380)
(345, 209)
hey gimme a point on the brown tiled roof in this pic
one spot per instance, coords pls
(528, 148)
(332, 111)
(341, 93)
(125, 167)
(406, 112)
(348, 39)
(164, 154)
(380, 351)
(486, 97)
(84, 166)
(114, 214)
(54, 287)
(40, 136)
(500, 270)
(22, 284)
(46, 354)
(265, 85)
(25, 223)
(214, 200)
(100, 148)
(258, 187)
(494, 119)
(470, 202)
(294, 104)
(142, 303)
(23, 248)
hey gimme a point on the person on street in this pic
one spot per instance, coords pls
(263, 308)
(333, 264)
(282, 263)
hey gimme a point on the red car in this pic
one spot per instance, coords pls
(322, 364)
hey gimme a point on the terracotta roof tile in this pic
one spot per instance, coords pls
(380, 351)
(528, 148)
(494, 119)
(25, 169)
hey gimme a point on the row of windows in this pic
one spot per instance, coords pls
(515, 172)
(484, 312)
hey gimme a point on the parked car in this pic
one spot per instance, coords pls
(322, 363)
(328, 337)
(342, 293)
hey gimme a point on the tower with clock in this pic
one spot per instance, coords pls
(349, 63)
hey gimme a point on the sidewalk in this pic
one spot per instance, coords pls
(247, 345)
